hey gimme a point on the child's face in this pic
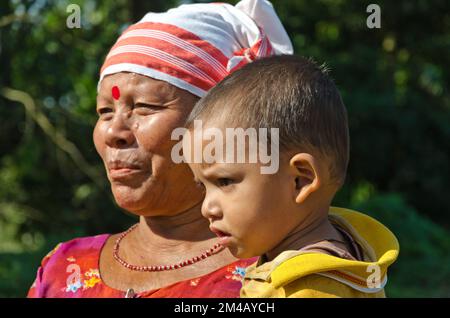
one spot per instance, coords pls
(250, 212)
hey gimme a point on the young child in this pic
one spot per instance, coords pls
(306, 247)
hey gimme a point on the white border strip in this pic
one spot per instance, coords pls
(134, 68)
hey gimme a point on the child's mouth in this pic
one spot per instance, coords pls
(224, 238)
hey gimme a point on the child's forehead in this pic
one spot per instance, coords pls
(220, 167)
(207, 167)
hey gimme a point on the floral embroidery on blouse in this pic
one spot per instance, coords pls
(237, 272)
(73, 287)
(74, 281)
(194, 282)
(93, 276)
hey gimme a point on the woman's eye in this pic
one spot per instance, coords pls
(223, 182)
(148, 107)
(104, 110)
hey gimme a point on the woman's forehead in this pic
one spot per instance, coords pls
(134, 79)
(132, 83)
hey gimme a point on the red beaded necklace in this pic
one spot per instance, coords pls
(156, 268)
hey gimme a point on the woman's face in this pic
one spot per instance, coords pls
(136, 117)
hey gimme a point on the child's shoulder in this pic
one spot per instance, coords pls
(324, 286)
(312, 274)
(293, 278)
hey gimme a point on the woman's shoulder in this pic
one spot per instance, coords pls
(69, 267)
(80, 247)
(86, 244)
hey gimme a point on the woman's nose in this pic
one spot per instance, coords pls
(119, 134)
(210, 209)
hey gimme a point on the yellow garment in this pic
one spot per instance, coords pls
(311, 274)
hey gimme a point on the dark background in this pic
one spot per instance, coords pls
(394, 81)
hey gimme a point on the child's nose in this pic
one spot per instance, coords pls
(211, 209)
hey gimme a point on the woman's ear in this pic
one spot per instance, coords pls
(306, 172)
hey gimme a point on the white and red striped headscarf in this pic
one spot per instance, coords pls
(194, 46)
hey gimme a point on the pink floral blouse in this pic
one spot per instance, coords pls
(70, 270)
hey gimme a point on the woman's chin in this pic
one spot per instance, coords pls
(151, 200)
(131, 199)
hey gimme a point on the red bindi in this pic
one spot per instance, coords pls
(115, 92)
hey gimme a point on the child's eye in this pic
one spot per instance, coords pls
(223, 182)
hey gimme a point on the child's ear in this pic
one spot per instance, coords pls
(306, 172)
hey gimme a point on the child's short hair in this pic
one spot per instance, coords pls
(288, 92)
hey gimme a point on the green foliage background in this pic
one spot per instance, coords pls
(394, 81)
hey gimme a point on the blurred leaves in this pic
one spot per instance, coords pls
(422, 269)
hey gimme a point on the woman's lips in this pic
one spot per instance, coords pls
(122, 170)
(123, 173)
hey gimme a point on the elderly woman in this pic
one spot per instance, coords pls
(150, 81)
